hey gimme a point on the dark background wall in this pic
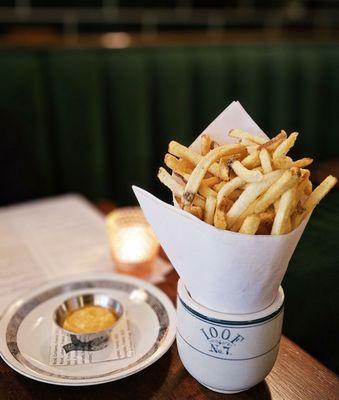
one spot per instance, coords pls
(98, 121)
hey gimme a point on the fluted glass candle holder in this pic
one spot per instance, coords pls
(133, 244)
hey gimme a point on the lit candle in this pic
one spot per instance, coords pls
(132, 241)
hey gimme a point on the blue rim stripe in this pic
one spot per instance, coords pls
(228, 359)
(231, 323)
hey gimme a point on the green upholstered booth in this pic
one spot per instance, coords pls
(95, 121)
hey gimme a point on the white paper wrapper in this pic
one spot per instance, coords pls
(224, 271)
(66, 351)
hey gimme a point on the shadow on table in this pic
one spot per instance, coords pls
(258, 392)
(142, 385)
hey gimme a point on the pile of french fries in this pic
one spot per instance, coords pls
(250, 187)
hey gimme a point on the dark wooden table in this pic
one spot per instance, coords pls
(296, 375)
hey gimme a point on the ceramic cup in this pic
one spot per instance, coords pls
(227, 353)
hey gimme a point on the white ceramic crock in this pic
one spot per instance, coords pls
(227, 353)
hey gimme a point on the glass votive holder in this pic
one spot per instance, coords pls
(133, 244)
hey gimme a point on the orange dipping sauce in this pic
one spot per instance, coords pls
(89, 319)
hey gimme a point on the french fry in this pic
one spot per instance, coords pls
(239, 156)
(218, 186)
(285, 146)
(283, 162)
(209, 209)
(319, 193)
(251, 187)
(308, 187)
(251, 149)
(178, 166)
(213, 180)
(238, 133)
(246, 174)
(268, 215)
(178, 200)
(227, 204)
(296, 171)
(303, 162)
(220, 214)
(300, 191)
(204, 190)
(276, 205)
(186, 164)
(264, 228)
(223, 169)
(285, 182)
(250, 225)
(239, 221)
(232, 174)
(298, 216)
(202, 167)
(252, 160)
(214, 144)
(220, 219)
(281, 222)
(205, 143)
(181, 177)
(198, 201)
(228, 188)
(172, 184)
(181, 151)
(248, 142)
(265, 160)
(288, 225)
(235, 194)
(176, 188)
(273, 143)
(304, 174)
(305, 185)
(249, 195)
(194, 210)
(236, 225)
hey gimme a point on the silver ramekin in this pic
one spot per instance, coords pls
(88, 299)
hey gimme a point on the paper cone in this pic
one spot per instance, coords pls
(223, 270)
